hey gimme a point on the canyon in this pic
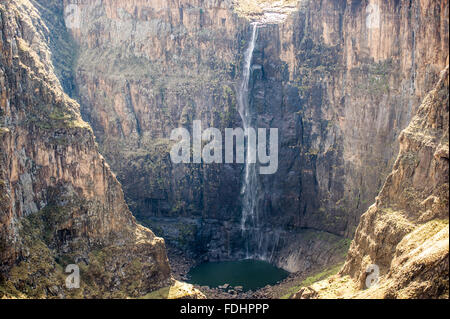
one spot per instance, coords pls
(356, 89)
(339, 92)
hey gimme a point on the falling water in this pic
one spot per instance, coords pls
(249, 187)
(260, 243)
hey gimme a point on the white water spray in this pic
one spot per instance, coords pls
(249, 187)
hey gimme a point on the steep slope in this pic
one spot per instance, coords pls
(60, 203)
(406, 232)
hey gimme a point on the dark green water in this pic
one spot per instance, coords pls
(250, 274)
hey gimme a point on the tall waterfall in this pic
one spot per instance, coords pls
(260, 243)
(249, 187)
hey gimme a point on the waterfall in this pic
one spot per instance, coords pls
(258, 242)
(249, 187)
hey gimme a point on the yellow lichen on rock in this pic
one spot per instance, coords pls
(177, 290)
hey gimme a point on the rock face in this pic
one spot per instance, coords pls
(60, 203)
(406, 232)
(340, 79)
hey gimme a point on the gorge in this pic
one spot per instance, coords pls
(356, 89)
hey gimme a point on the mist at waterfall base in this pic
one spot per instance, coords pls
(250, 274)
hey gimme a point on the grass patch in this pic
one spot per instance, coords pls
(312, 279)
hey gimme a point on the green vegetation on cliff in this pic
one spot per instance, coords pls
(327, 272)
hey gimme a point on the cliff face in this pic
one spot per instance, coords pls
(406, 232)
(340, 79)
(145, 68)
(60, 203)
(361, 68)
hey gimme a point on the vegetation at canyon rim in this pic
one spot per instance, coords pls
(360, 101)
